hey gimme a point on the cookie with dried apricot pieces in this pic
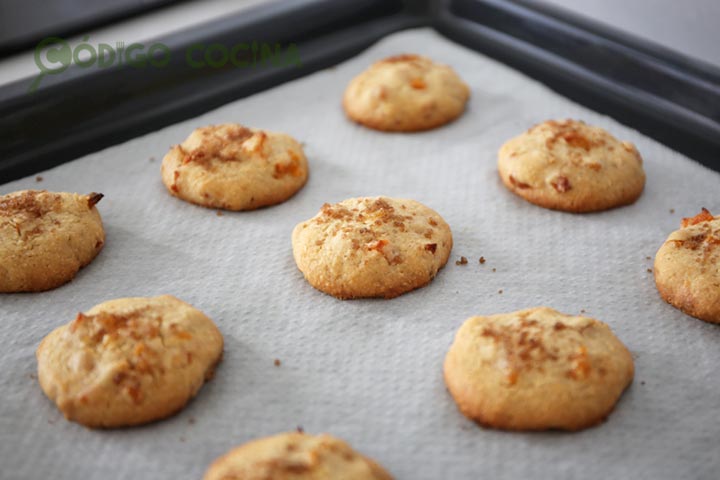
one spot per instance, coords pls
(571, 166)
(233, 167)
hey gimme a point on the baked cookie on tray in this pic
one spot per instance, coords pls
(687, 267)
(233, 167)
(46, 238)
(128, 361)
(295, 456)
(406, 93)
(571, 166)
(537, 369)
(371, 247)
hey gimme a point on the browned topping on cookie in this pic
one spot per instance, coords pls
(392, 256)
(580, 364)
(290, 168)
(115, 329)
(561, 184)
(703, 216)
(405, 57)
(28, 203)
(94, 328)
(174, 187)
(696, 241)
(418, 84)
(222, 143)
(568, 131)
(94, 198)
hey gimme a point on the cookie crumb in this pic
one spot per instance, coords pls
(182, 439)
(648, 258)
(482, 260)
(500, 291)
(219, 213)
(672, 210)
(582, 310)
(152, 159)
(649, 270)
(300, 429)
(191, 421)
(642, 382)
(462, 261)
(494, 270)
(277, 362)
(38, 178)
(32, 376)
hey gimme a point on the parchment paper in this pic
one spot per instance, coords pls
(370, 371)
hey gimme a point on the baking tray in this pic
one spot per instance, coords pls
(370, 371)
(664, 95)
(24, 24)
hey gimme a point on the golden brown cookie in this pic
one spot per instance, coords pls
(235, 168)
(687, 267)
(295, 456)
(537, 369)
(46, 237)
(571, 166)
(128, 361)
(406, 93)
(371, 247)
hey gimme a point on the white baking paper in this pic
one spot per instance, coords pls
(370, 371)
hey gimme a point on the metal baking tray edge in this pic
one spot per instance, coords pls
(669, 97)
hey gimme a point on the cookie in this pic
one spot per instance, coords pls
(537, 369)
(687, 267)
(128, 361)
(295, 456)
(406, 93)
(235, 168)
(46, 238)
(571, 166)
(371, 247)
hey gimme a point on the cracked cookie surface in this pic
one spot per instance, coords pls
(537, 369)
(233, 167)
(571, 166)
(687, 267)
(46, 238)
(406, 93)
(371, 247)
(295, 456)
(128, 361)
